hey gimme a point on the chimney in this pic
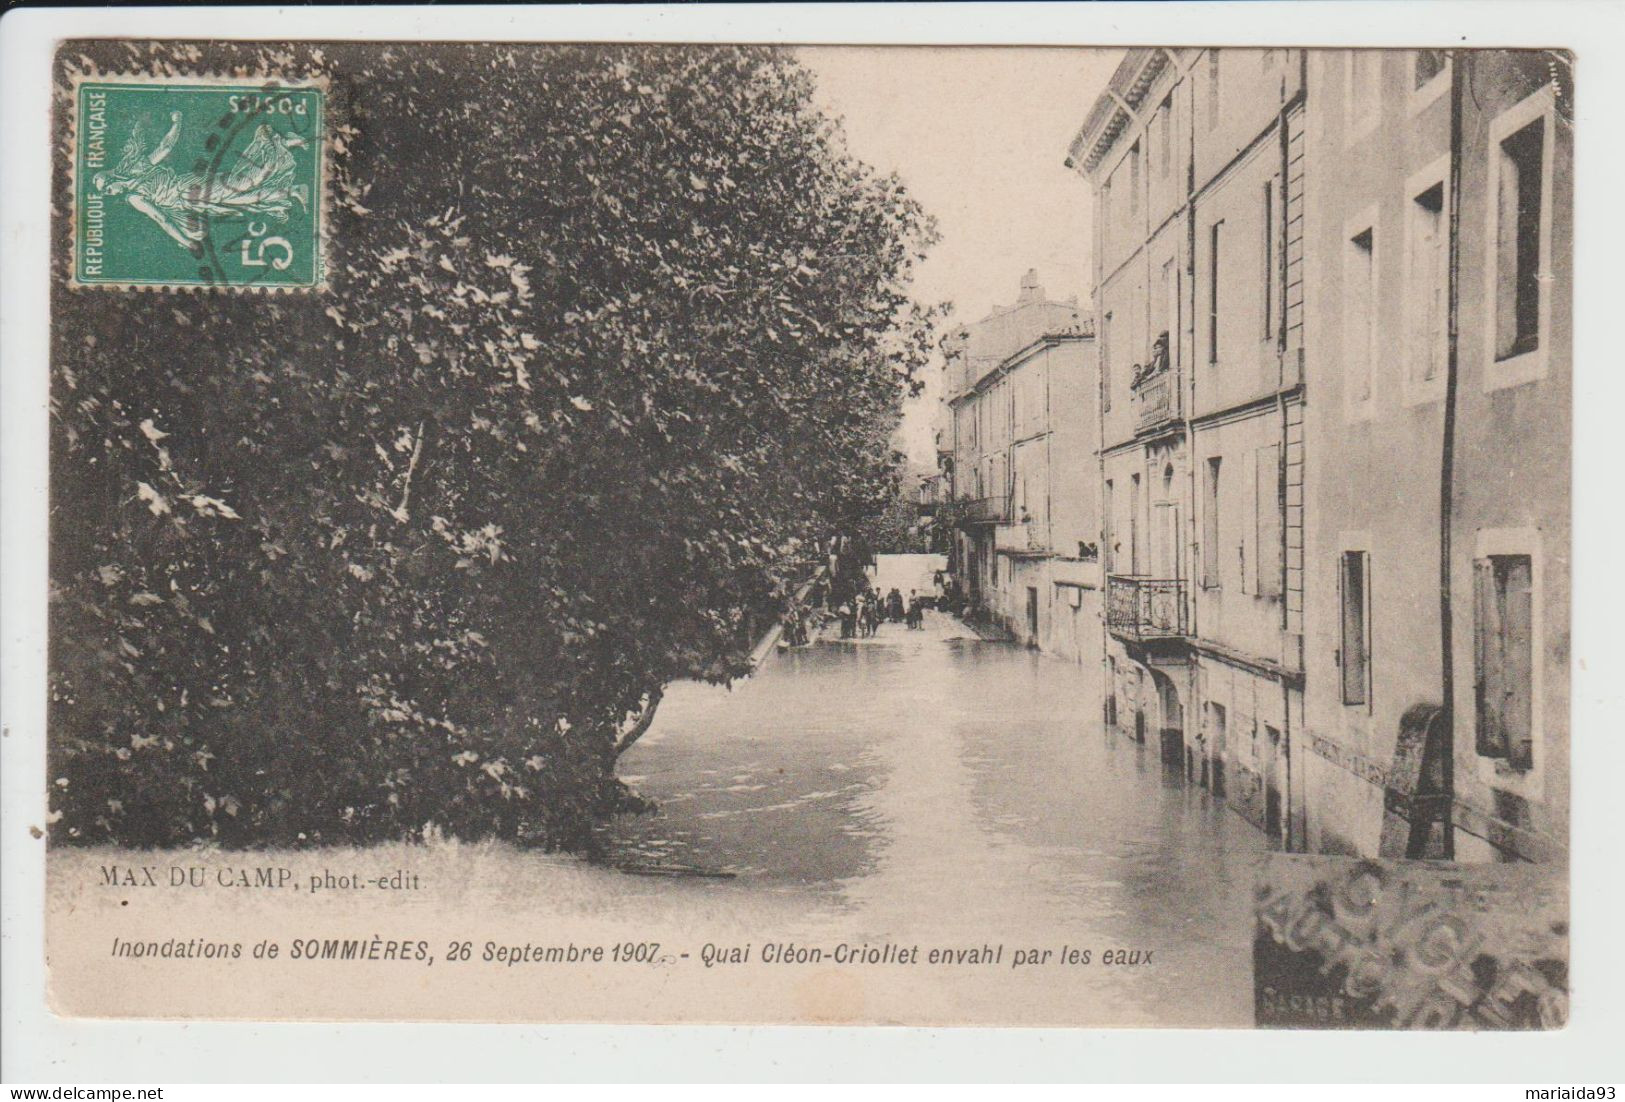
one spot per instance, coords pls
(1030, 290)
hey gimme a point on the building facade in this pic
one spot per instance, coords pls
(1332, 292)
(1018, 388)
(1194, 158)
(1437, 632)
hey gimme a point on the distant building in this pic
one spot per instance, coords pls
(1019, 386)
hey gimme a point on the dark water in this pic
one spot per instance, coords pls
(925, 780)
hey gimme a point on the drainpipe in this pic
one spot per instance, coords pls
(1187, 375)
(1460, 74)
(1187, 380)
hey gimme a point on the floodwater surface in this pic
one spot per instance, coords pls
(930, 784)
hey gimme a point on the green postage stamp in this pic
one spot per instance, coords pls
(191, 183)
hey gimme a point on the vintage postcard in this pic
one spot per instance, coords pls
(785, 534)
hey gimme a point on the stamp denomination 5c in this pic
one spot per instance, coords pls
(192, 183)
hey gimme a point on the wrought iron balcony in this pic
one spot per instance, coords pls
(1143, 609)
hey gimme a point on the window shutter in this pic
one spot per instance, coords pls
(1492, 742)
(1355, 656)
(1517, 711)
(1267, 503)
(1249, 532)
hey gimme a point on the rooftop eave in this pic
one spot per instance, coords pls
(1083, 331)
(1116, 107)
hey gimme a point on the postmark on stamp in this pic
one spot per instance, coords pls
(192, 183)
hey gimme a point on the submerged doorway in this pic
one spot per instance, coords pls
(1170, 719)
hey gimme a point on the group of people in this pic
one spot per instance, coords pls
(846, 595)
(947, 594)
(797, 623)
(862, 615)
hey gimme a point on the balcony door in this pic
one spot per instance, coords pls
(1165, 530)
(1135, 563)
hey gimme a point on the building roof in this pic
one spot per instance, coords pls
(1114, 110)
(976, 350)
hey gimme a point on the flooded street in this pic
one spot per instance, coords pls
(929, 784)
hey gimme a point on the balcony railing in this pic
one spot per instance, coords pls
(1142, 609)
(1156, 397)
(929, 495)
(1154, 401)
(983, 510)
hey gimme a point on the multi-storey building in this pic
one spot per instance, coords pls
(1019, 388)
(1335, 524)
(1439, 236)
(1195, 159)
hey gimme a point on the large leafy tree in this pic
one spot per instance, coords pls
(611, 337)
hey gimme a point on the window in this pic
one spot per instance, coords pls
(1360, 314)
(1106, 217)
(1212, 89)
(1267, 527)
(1210, 525)
(1109, 527)
(1153, 147)
(1363, 92)
(1266, 261)
(1426, 287)
(1519, 182)
(1428, 64)
(1170, 319)
(1213, 292)
(1504, 649)
(1134, 179)
(1106, 363)
(1134, 524)
(1430, 77)
(1165, 134)
(1355, 653)
(1166, 529)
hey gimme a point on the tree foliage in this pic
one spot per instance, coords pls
(611, 337)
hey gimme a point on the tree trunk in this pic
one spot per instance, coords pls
(645, 717)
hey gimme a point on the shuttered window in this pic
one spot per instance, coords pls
(1267, 522)
(1360, 313)
(1210, 524)
(1213, 292)
(1109, 527)
(1106, 363)
(1355, 654)
(1503, 636)
(1266, 260)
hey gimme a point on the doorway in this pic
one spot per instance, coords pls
(1171, 719)
(1032, 616)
